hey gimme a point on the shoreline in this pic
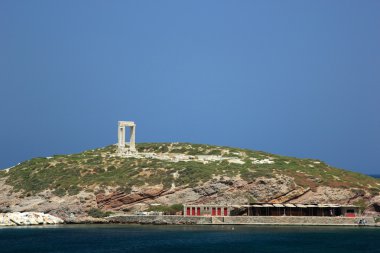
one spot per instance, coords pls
(242, 220)
(32, 219)
(196, 225)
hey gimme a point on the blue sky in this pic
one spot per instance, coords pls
(297, 78)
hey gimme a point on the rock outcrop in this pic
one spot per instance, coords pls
(28, 218)
(118, 198)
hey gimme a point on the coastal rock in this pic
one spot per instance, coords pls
(291, 195)
(28, 218)
(265, 189)
(210, 189)
(324, 194)
(374, 207)
(118, 199)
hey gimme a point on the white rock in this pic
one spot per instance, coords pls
(263, 161)
(27, 218)
(237, 161)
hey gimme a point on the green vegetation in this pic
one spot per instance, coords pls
(173, 209)
(362, 204)
(70, 174)
(374, 191)
(377, 219)
(97, 213)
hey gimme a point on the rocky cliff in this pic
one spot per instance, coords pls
(72, 186)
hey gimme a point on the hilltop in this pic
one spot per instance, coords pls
(170, 174)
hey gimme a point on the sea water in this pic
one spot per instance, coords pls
(182, 239)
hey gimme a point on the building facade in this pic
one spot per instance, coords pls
(270, 209)
(206, 210)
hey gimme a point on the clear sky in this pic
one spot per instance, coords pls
(297, 78)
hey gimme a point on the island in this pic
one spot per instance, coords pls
(186, 183)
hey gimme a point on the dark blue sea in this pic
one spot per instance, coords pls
(182, 239)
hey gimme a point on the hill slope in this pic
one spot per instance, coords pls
(176, 173)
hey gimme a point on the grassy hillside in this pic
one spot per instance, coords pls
(68, 174)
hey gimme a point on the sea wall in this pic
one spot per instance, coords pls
(237, 220)
(294, 220)
(28, 218)
(160, 219)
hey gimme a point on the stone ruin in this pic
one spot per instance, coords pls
(126, 148)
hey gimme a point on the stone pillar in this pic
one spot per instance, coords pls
(132, 144)
(121, 135)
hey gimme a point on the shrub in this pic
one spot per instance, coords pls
(362, 204)
(73, 190)
(97, 213)
(60, 192)
(374, 191)
(173, 209)
(215, 152)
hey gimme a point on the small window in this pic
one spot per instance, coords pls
(350, 211)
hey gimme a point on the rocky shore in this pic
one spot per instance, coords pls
(241, 220)
(36, 218)
(28, 218)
